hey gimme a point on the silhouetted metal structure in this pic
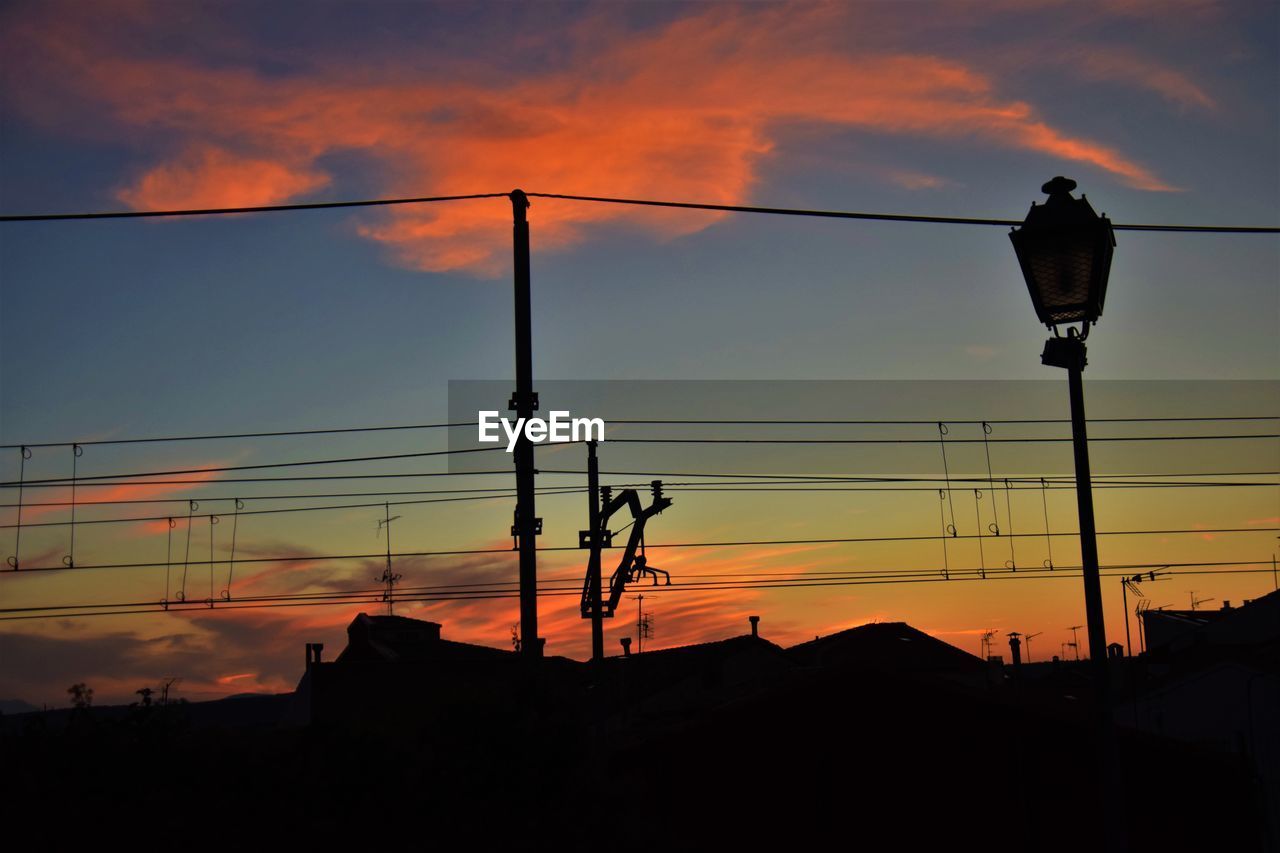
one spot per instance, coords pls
(1196, 602)
(1027, 638)
(984, 643)
(1075, 640)
(593, 590)
(525, 402)
(633, 565)
(389, 578)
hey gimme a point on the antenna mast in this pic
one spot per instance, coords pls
(1075, 639)
(389, 578)
(1027, 639)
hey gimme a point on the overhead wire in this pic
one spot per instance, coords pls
(453, 594)
(459, 451)
(1016, 440)
(237, 435)
(711, 206)
(890, 217)
(635, 422)
(653, 545)
(563, 490)
(222, 211)
(260, 466)
(727, 486)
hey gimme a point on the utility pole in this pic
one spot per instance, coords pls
(1134, 584)
(1124, 592)
(593, 563)
(1140, 610)
(527, 524)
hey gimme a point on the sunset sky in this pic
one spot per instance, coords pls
(1163, 112)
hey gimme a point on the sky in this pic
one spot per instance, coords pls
(1163, 112)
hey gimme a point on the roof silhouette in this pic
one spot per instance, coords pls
(401, 639)
(885, 645)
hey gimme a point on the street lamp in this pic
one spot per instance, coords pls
(1065, 252)
(1065, 249)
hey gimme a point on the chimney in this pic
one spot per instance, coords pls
(313, 653)
(755, 625)
(1226, 605)
(626, 646)
(1015, 650)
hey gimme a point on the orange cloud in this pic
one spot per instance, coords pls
(1115, 64)
(123, 491)
(231, 679)
(205, 176)
(917, 180)
(686, 111)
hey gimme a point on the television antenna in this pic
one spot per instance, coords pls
(389, 578)
(643, 626)
(985, 647)
(171, 681)
(1027, 639)
(1075, 639)
(1196, 602)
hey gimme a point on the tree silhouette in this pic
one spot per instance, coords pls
(81, 695)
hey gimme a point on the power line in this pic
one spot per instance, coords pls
(507, 472)
(846, 478)
(347, 599)
(731, 488)
(219, 211)
(242, 497)
(841, 540)
(382, 458)
(725, 208)
(637, 422)
(935, 421)
(218, 436)
(1062, 483)
(225, 480)
(934, 441)
(564, 490)
(422, 454)
(890, 217)
(719, 544)
(497, 494)
(683, 580)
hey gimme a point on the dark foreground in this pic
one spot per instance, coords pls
(709, 754)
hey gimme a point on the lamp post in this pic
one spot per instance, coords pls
(1065, 249)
